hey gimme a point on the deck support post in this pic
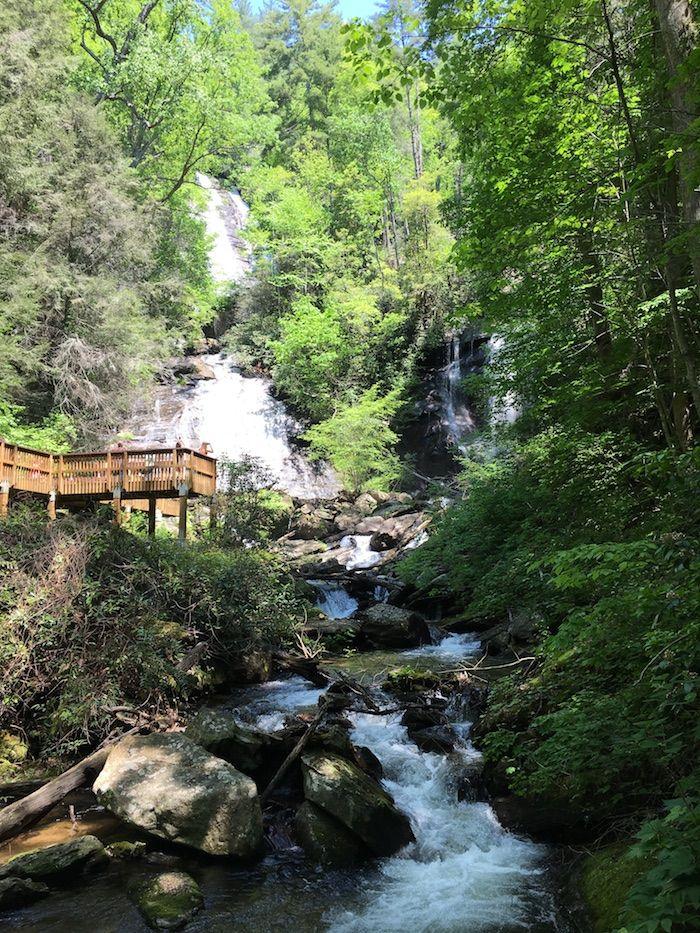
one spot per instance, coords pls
(51, 506)
(117, 504)
(182, 524)
(4, 499)
(151, 516)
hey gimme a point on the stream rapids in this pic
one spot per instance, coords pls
(464, 873)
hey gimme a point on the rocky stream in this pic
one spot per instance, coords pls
(344, 796)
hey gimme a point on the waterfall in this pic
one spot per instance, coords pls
(459, 419)
(235, 413)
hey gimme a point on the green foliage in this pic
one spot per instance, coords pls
(181, 83)
(667, 896)
(358, 441)
(246, 509)
(93, 617)
(53, 434)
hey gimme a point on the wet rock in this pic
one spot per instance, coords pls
(314, 525)
(326, 840)
(169, 786)
(296, 549)
(59, 863)
(347, 520)
(423, 717)
(544, 820)
(18, 892)
(365, 503)
(169, 901)
(243, 747)
(385, 626)
(334, 738)
(440, 739)
(368, 762)
(519, 630)
(391, 532)
(194, 369)
(125, 850)
(326, 628)
(366, 809)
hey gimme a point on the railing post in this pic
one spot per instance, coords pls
(182, 523)
(152, 516)
(117, 504)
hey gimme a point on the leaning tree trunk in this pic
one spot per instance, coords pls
(680, 33)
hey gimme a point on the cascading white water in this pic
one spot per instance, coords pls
(334, 600)
(362, 557)
(449, 648)
(236, 414)
(464, 874)
(459, 420)
(226, 214)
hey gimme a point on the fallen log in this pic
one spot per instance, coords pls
(307, 668)
(21, 814)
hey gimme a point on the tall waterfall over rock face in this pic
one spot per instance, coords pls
(237, 414)
(225, 216)
(464, 355)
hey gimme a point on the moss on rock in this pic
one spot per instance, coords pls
(607, 877)
(169, 901)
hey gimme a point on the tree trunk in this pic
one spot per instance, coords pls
(679, 32)
(594, 293)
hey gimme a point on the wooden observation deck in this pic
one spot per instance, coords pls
(140, 476)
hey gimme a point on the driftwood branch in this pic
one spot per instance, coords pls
(292, 757)
(21, 814)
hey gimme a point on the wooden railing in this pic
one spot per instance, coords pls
(154, 471)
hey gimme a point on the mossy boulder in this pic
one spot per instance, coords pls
(18, 892)
(359, 803)
(124, 850)
(386, 626)
(607, 876)
(245, 748)
(65, 861)
(326, 840)
(169, 786)
(169, 901)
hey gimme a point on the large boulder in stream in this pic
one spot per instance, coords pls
(326, 840)
(359, 803)
(385, 626)
(245, 748)
(58, 864)
(169, 786)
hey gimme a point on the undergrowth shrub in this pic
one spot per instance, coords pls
(93, 617)
(602, 540)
